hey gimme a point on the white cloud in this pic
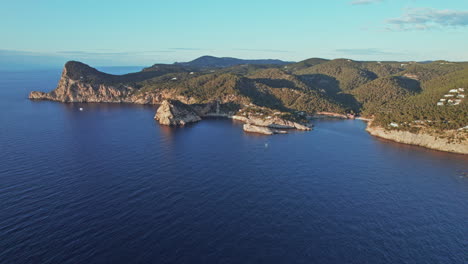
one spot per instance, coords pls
(365, 2)
(428, 18)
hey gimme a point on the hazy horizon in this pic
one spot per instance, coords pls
(38, 62)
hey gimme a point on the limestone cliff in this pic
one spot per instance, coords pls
(440, 142)
(81, 83)
(262, 130)
(173, 113)
(257, 129)
(274, 122)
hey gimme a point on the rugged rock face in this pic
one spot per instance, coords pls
(174, 113)
(257, 129)
(274, 122)
(262, 130)
(421, 139)
(81, 83)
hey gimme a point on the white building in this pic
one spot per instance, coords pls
(440, 103)
(443, 100)
(453, 91)
(394, 124)
(448, 95)
(461, 89)
(174, 79)
(461, 96)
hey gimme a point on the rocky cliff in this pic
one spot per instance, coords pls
(262, 130)
(174, 113)
(81, 83)
(450, 141)
(273, 122)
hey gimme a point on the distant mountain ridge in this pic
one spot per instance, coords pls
(222, 62)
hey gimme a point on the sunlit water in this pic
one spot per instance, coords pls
(110, 185)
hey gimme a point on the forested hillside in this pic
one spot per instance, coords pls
(408, 95)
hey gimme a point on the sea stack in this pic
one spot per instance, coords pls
(175, 113)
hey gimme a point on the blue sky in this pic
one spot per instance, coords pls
(143, 32)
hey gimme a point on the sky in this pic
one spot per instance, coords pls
(144, 32)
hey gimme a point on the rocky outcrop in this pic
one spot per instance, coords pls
(175, 113)
(274, 122)
(81, 83)
(440, 142)
(262, 130)
(257, 129)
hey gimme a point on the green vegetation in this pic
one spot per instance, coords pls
(349, 74)
(423, 108)
(383, 92)
(405, 93)
(394, 92)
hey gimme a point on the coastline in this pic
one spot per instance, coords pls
(178, 110)
(404, 137)
(440, 143)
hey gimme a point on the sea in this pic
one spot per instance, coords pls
(108, 184)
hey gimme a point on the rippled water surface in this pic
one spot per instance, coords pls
(109, 185)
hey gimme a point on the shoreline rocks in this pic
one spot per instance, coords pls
(176, 113)
(275, 122)
(440, 143)
(262, 130)
(257, 129)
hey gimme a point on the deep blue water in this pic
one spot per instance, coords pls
(110, 185)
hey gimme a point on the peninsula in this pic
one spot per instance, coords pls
(409, 102)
